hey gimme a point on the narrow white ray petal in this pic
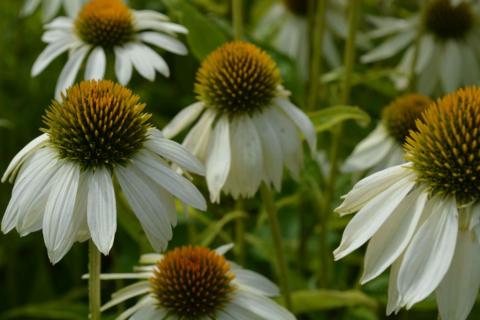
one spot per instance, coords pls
(394, 235)
(429, 77)
(56, 36)
(394, 158)
(222, 315)
(272, 150)
(261, 306)
(164, 41)
(183, 119)
(124, 276)
(301, 120)
(156, 60)
(52, 51)
(70, 70)
(371, 217)
(150, 258)
(146, 301)
(176, 184)
(394, 302)
(72, 7)
(60, 206)
(102, 209)
(140, 61)
(430, 253)
(150, 312)
(218, 158)
(451, 72)
(64, 23)
(123, 65)
(222, 250)
(330, 50)
(458, 290)
(176, 153)
(241, 312)
(390, 47)
(167, 27)
(387, 25)
(96, 64)
(369, 187)
(150, 15)
(198, 138)
(370, 151)
(256, 283)
(126, 293)
(29, 6)
(425, 52)
(471, 67)
(50, 8)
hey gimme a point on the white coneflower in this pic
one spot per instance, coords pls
(249, 129)
(422, 217)
(64, 178)
(105, 27)
(382, 148)
(197, 283)
(51, 7)
(286, 24)
(451, 33)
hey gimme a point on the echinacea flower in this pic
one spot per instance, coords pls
(422, 217)
(51, 7)
(451, 32)
(108, 27)
(382, 148)
(286, 24)
(249, 129)
(196, 283)
(64, 178)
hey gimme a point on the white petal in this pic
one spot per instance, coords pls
(164, 41)
(123, 65)
(198, 138)
(102, 210)
(301, 120)
(389, 48)
(50, 8)
(144, 302)
(451, 72)
(458, 290)
(150, 312)
(218, 159)
(183, 119)
(425, 52)
(70, 70)
(60, 207)
(150, 15)
(96, 64)
(168, 27)
(428, 256)
(261, 306)
(29, 6)
(256, 283)
(156, 60)
(429, 77)
(394, 302)
(126, 293)
(240, 312)
(52, 51)
(370, 218)
(72, 7)
(55, 36)
(222, 250)
(63, 23)
(394, 235)
(140, 60)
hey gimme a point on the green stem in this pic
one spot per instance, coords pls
(318, 28)
(240, 234)
(237, 16)
(94, 263)
(271, 209)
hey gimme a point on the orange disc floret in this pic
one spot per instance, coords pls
(445, 149)
(105, 23)
(192, 282)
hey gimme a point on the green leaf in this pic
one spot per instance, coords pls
(315, 300)
(327, 118)
(203, 35)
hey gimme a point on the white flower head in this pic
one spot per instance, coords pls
(249, 129)
(382, 148)
(196, 283)
(51, 7)
(422, 217)
(451, 32)
(64, 178)
(105, 27)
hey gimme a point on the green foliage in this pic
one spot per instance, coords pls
(328, 118)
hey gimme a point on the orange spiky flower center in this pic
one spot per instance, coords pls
(447, 21)
(192, 282)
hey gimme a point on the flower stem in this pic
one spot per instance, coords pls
(318, 27)
(271, 209)
(237, 16)
(240, 234)
(94, 263)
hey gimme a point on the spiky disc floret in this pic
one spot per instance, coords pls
(298, 7)
(400, 115)
(98, 123)
(237, 78)
(105, 23)
(445, 150)
(447, 21)
(192, 282)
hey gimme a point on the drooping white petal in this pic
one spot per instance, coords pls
(60, 207)
(150, 312)
(102, 209)
(394, 235)
(429, 77)
(394, 302)
(50, 8)
(183, 119)
(425, 52)
(370, 151)
(72, 7)
(96, 64)
(70, 70)
(222, 250)
(164, 41)
(123, 65)
(156, 60)
(218, 158)
(367, 188)
(162, 26)
(55, 36)
(133, 290)
(256, 283)
(150, 15)
(240, 313)
(29, 6)
(150, 258)
(144, 302)
(371, 217)
(451, 72)
(458, 290)
(389, 48)
(139, 60)
(261, 306)
(61, 23)
(198, 138)
(428, 256)
(52, 51)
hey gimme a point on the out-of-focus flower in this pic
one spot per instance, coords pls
(64, 178)
(383, 147)
(197, 283)
(249, 129)
(451, 34)
(422, 217)
(51, 7)
(109, 26)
